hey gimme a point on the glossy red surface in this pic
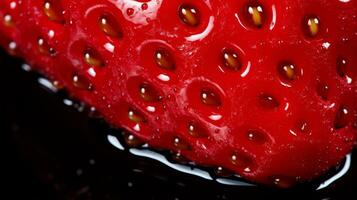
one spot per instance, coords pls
(302, 130)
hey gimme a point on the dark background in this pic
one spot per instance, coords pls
(52, 151)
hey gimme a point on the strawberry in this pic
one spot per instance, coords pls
(265, 89)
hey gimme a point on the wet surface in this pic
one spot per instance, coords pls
(52, 151)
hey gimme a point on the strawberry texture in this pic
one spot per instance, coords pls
(266, 89)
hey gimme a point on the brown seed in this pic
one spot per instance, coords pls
(181, 144)
(287, 71)
(81, 82)
(323, 90)
(196, 130)
(43, 47)
(132, 140)
(342, 117)
(135, 116)
(92, 58)
(222, 172)
(242, 160)
(342, 66)
(53, 10)
(8, 20)
(231, 60)
(209, 97)
(283, 182)
(164, 60)
(189, 15)
(110, 26)
(267, 101)
(255, 15)
(148, 93)
(256, 136)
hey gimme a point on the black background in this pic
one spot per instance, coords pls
(52, 151)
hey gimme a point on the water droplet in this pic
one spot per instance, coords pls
(81, 82)
(53, 10)
(196, 130)
(257, 136)
(164, 60)
(110, 26)
(287, 71)
(254, 14)
(311, 26)
(268, 101)
(231, 59)
(148, 93)
(189, 15)
(181, 144)
(92, 58)
(135, 116)
(342, 117)
(144, 6)
(209, 97)
(130, 11)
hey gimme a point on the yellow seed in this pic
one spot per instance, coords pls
(287, 71)
(256, 13)
(313, 26)
(231, 60)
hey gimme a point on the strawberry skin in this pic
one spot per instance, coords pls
(265, 89)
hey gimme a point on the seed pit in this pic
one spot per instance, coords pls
(242, 161)
(92, 58)
(189, 15)
(231, 60)
(210, 98)
(267, 101)
(197, 131)
(53, 10)
(110, 26)
(342, 118)
(164, 60)
(81, 82)
(257, 136)
(311, 26)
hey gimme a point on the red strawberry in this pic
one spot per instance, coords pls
(266, 89)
